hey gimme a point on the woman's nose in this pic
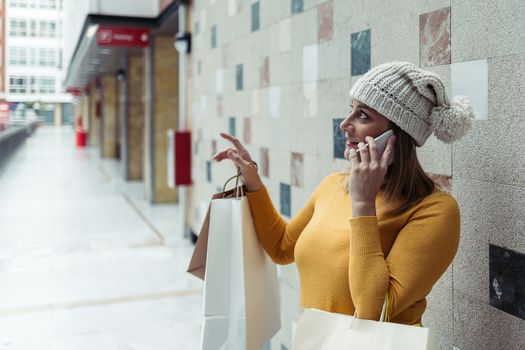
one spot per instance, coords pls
(345, 124)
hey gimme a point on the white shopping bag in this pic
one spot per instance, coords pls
(321, 330)
(241, 290)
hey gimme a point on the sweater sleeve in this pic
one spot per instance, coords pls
(276, 236)
(422, 252)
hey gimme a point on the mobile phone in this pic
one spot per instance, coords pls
(381, 142)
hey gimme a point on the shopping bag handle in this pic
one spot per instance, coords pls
(385, 310)
(239, 188)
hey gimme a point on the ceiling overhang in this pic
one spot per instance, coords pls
(90, 60)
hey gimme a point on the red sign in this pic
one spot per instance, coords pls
(119, 36)
(75, 91)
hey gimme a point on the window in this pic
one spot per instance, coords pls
(18, 27)
(32, 57)
(17, 84)
(48, 4)
(47, 58)
(46, 85)
(32, 29)
(18, 56)
(18, 3)
(48, 29)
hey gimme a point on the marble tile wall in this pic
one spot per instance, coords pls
(109, 116)
(287, 68)
(135, 116)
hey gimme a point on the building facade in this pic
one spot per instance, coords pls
(2, 48)
(33, 56)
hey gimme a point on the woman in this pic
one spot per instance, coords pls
(382, 227)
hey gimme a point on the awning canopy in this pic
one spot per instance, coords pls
(91, 59)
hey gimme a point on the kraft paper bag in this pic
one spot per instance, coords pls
(241, 291)
(321, 330)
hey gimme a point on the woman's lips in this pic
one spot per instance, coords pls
(351, 144)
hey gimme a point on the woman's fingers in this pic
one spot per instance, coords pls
(221, 155)
(237, 159)
(389, 152)
(372, 148)
(235, 141)
(363, 153)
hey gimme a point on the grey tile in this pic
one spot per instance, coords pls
(297, 6)
(213, 38)
(480, 326)
(360, 52)
(256, 16)
(285, 201)
(231, 126)
(239, 77)
(208, 171)
(339, 139)
(484, 29)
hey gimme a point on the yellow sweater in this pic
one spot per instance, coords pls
(346, 265)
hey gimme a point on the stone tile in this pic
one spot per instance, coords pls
(264, 159)
(310, 63)
(256, 103)
(213, 148)
(443, 181)
(506, 76)
(285, 35)
(325, 20)
(219, 81)
(274, 97)
(480, 326)
(285, 199)
(196, 28)
(231, 126)
(471, 79)
(339, 139)
(310, 100)
(434, 38)
(297, 6)
(213, 36)
(360, 52)
(239, 77)
(475, 157)
(208, 171)
(297, 169)
(507, 280)
(256, 16)
(485, 220)
(484, 29)
(247, 131)
(439, 314)
(264, 72)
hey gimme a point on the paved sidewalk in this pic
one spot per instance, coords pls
(85, 262)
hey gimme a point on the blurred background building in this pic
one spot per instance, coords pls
(33, 74)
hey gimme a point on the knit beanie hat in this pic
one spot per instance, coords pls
(415, 100)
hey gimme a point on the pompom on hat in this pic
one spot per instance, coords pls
(415, 100)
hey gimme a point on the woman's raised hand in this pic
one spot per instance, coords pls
(242, 159)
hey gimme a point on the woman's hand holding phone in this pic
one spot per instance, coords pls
(242, 159)
(368, 173)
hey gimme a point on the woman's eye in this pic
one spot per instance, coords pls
(363, 115)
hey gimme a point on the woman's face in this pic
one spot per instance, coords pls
(361, 122)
